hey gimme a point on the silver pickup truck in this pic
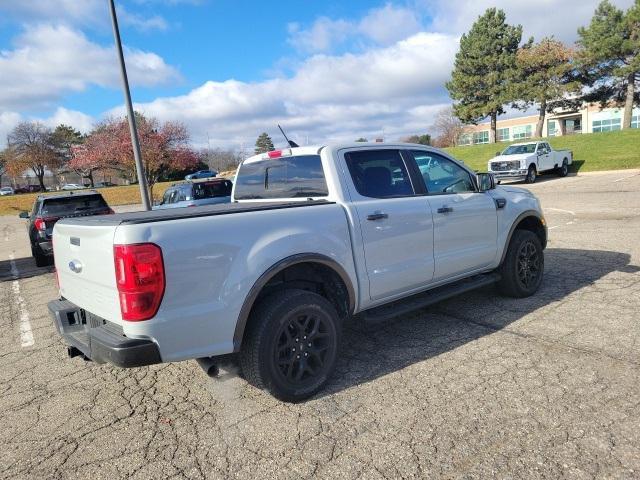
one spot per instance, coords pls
(315, 237)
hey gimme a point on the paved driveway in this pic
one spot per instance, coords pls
(476, 387)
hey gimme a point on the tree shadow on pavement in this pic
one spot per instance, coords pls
(25, 267)
(369, 352)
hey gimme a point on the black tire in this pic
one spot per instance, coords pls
(523, 265)
(291, 344)
(41, 259)
(563, 170)
(531, 175)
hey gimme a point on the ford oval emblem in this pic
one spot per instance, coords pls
(75, 266)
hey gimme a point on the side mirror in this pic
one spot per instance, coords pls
(498, 154)
(486, 181)
(23, 215)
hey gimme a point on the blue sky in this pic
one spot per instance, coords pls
(327, 70)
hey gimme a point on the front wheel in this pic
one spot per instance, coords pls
(523, 265)
(531, 175)
(291, 345)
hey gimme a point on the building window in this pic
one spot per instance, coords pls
(465, 139)
(481, 137)
(552, 128)
(522, 131)
(503, 134)
(635, 121)
(606, 125)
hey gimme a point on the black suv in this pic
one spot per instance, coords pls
(48, 209)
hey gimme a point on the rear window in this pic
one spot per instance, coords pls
(285, 177)
(71, 205)
(211, 190)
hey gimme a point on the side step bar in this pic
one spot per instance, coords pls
(424, 299)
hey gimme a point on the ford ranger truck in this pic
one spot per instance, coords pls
(315, 237)
(524, 161)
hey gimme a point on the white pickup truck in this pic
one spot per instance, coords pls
(524, 161)
(314, 237)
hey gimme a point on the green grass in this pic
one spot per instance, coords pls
(591, 151)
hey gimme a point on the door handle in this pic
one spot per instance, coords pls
(377, 216)
(445, 209)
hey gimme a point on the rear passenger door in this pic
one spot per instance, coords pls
(396, 223)
(465, 221)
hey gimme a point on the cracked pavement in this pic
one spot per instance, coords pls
(478, 386)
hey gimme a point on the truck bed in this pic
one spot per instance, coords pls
(132, 218)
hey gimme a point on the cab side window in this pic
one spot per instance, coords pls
(441, 175)
(166, 198)
(379, 173)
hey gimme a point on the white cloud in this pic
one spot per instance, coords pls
(541, 18)
(384, 26)
(328, 97)
(78, 120)
(49, 61)
(8, 120)
(140, 22)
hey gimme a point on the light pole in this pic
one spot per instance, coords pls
(142, 179)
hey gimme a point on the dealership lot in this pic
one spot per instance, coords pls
(477, 386)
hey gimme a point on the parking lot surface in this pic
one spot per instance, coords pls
(479, 386)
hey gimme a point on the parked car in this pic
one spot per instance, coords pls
(315, 237)
(47, 210)
(28, 189)
(6, 191)
(201, 174)
(196, 193)
(524, 161)
(72, 186)
(105, 184)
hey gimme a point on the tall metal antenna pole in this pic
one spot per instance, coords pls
(142, 179)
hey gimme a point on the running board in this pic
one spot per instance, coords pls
(424, 299)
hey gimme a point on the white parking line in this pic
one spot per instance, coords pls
(26, 335)
(561, 210)
(624, 178)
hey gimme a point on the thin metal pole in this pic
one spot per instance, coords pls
(142, 179)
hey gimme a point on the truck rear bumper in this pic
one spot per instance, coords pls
(99, 340)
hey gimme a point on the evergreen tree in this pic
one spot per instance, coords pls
(419, 139)
(543, 69)
(609, 57)
(362, 139)
(264, 144)
(484, 69)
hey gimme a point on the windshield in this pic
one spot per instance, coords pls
(516, 149)
(71, 205)
(211, 190)
(285, 177)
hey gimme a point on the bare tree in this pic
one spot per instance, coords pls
(222, 160)
(448, 128)
(33, 149)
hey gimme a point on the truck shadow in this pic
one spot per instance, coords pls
(370, 352)
(25, 268)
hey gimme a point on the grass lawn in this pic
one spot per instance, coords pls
(591, 151)
(14, 204)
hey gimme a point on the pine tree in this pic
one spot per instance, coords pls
(264, 144)
(484, 69)
(609, 57)
(543, 69)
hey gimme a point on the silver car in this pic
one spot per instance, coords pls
(196, 193)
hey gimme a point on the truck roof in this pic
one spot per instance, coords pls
(315, 149)
(525, 143)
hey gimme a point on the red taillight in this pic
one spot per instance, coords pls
(275, 154)
(140, 279)
(108, 211)
(40, 224)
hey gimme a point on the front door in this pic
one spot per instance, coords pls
(465, 221)
(396, 224)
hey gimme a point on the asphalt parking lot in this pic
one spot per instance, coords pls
(476, 387)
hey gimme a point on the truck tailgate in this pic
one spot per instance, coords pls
(84, 262)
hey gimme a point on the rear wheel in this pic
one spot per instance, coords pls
(41, 259)
(563, 170)
(292, 344)
(523, 265)
(531, 175)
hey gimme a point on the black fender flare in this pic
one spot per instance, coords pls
(514, 226)
(259, 284)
